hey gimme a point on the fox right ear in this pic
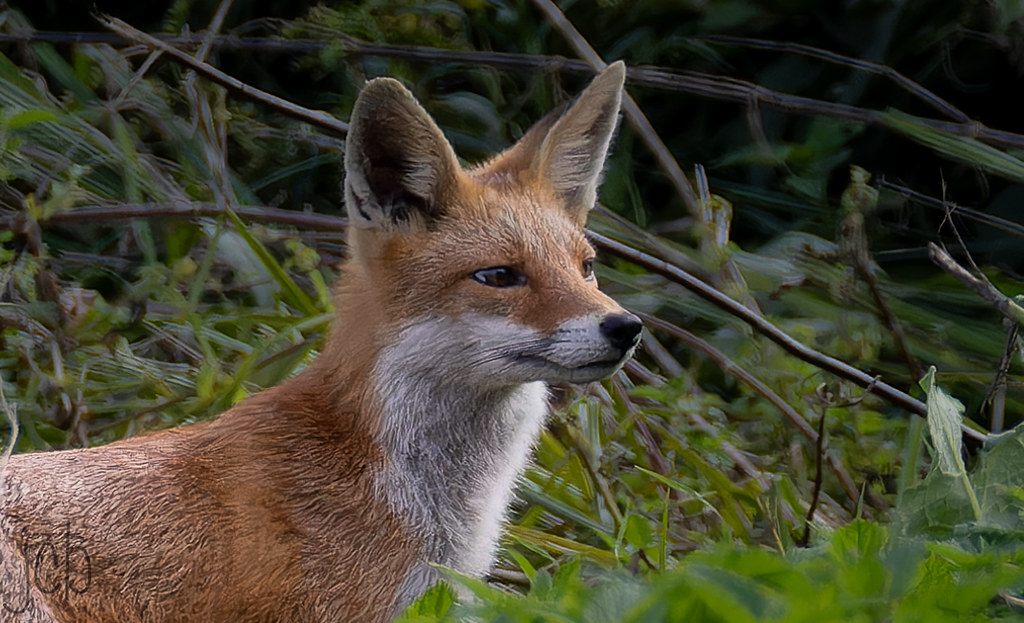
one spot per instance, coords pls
(398, 164)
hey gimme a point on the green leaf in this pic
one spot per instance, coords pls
(436, 602)
(945, 414)
(292, 292)
(28, 117)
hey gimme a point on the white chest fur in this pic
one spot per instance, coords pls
(457, 434)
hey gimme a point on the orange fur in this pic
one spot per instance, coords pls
(328, 497)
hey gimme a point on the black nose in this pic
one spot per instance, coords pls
(622, 330)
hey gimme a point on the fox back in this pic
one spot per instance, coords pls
(332, 496)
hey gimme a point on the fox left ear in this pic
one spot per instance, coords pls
(573, 152)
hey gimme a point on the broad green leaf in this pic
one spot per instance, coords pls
(945, 414)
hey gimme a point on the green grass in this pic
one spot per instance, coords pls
(678, 490)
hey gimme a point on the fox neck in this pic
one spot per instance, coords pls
(454, 446)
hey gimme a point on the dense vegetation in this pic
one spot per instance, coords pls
(168, 241)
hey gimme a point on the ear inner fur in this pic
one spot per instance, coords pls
(566, 150)
(398, 164)
(573, 154)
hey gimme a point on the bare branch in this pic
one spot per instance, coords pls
(766, 328)
(636, 117)
(980, 284)
(694, 83)
(914, 88)
(124, 212)
(791, 414)
(314, 117)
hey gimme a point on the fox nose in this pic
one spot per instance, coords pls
(622, 330)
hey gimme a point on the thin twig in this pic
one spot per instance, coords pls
(636, 117)
(211, 32)
(819, 451)
(952, 209)
(124, 212)
(10, 413)
(889, 318)
(914, 88)
(694, 83)
(766, 328)
(996, 394)
(313, 117)
(669, 271)
(730, 368)
(860, 200)
(980, 284)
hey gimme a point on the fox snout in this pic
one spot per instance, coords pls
(589, 349)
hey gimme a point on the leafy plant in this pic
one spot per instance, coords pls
(943, 559)
(166, 246)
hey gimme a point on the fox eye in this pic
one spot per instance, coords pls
(588, 268)
(499, 277)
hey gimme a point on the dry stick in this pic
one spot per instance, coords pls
(914, 88)
(669, 271)
(856, 236)
(888, 317)
(203, 117)
(729, 367)
(314, 117)
(766, 328)
(982, 286)
(694, 83)
(632, 111)
(996, 394)
(213, 29)
(952, 209)
(10, 413)
(1008, 307)
(819, 447)
(303, 220)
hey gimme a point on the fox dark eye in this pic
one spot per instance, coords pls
(588, 268)
(499, 277)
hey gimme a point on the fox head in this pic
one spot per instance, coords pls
(484, 275)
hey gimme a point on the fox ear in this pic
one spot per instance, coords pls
(398, 164)
(573, 152)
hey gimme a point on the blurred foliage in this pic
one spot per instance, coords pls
(862, 571)
(112, 326)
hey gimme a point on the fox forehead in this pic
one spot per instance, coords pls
(508, 226)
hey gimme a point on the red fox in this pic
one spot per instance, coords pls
(332, 496)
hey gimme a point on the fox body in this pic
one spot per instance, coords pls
(331, 496)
